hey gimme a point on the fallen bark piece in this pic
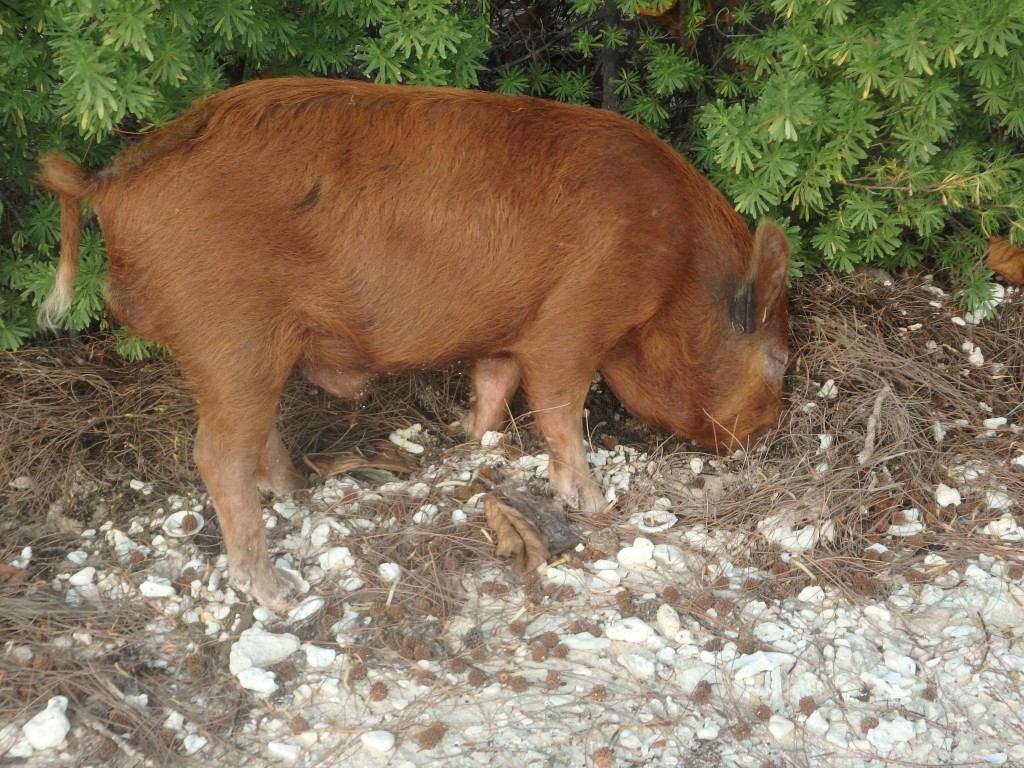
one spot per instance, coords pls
(1005, 259)
(529, 528)
(341, 463)
(550, 517)
(516, 536)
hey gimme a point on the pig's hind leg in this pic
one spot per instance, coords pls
(275, 471)
(234, 441)
(495, 380)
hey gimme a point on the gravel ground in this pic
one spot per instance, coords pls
(663, 638)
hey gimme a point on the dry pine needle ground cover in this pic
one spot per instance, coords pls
(77, 424)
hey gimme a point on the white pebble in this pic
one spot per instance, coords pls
(811, 594)
(400, 437)
(49, 728)
(629, 630)
(708, 731)
(670, 555)
(489, 439)
(425, 514)
(945, 496)
(771, 632)
(389, 572)
(781, 728)
(319, 658)
(585, 641)
(603, 581)
(816, 723)
(257, 679)
(668, 620)
(1004, 528)
(336, 559)
(83, 577)
(351, 584)
(653, 520)
(308, 607)
(888, 733)
(997, 499)
(157, 586)
(260, 648)
(286, 509)
(637, 554)
(378, 742)
(193, 743)
(640, 665)
(761, 661)
(78, 556)
(696, 465)
(283, 751)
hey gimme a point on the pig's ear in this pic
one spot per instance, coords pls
(770, 264)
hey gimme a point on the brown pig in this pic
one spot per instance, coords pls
(349, 230)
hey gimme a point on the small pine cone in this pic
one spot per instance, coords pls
(602, 758)
(476, 677)
(746, 645)
(701, 692)
(378, 691)
(538, 652)
(599, 693)
(670, 595)
(357, 672)
(519, 684)
(458, 665)
(868, 723)
(808, 705)
(560, 651)
(430, 736)
(724, 606)
(714, 644)
(553, 680)
(473, 638)
(763, 712)
(548, 639)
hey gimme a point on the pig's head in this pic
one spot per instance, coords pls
(709, 365)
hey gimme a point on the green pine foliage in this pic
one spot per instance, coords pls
(79, 75)
(888, 132)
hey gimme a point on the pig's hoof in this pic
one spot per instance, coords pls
(587, 497)
(270, 587)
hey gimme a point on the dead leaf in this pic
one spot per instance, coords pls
(1005, 259)
(516, 536)
(547, 514)
(328, 465)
